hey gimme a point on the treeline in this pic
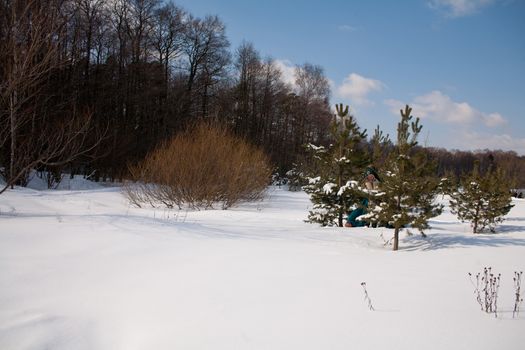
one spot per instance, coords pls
(94, 85)
(457, 163)
(454, 164)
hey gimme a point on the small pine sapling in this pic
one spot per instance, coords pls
(367, 297)
(380, 148)
(331, 190)
(381, 145)
(517, 292)
(408, 188)
(295, 179)
(482, 200)
(448, 184)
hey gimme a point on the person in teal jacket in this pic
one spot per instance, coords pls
(371, 181)
(351, 219)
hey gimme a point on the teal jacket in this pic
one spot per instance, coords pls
(354, 214)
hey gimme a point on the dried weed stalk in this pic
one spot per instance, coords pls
(367, 297)
(486, 290)
(517, 291)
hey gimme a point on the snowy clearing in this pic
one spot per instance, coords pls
(81, 269)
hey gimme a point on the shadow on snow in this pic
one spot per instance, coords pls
(460, 240)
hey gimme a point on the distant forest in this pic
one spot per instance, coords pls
(91, 86)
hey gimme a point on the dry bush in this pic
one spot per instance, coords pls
(201, 168)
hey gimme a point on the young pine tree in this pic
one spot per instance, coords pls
(482, 200)
(381, 145)
(408, 188)
(331, 190)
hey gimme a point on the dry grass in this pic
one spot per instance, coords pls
(204, 167)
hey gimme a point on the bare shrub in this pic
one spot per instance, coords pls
(201, 168)
(486, 290)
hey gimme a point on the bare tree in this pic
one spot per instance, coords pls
(57, 144)
(139, 26)
(312, 83)
(28, 55)
(273, 89)
(248, 65)
(32, 132)
(90, 12)
(168, 35)
(205, 48)
(314, 93)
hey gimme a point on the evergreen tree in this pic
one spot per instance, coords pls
(408, 189)
(482, 200)
(381, 145)
(332, 190)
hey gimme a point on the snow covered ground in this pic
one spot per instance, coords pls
(82, 269)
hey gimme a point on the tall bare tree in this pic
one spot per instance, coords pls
(248, 68)
(34, 130)
(313, 90)
(205, 48)
(139, 26)
(168, 35)
(28, 55)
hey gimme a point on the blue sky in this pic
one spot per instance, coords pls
(459, 63)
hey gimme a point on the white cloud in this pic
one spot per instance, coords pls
(287, 69)
(494, 119)
(475, 141)
(459, 8)
(441, 108)
(356, 88)
(346, 28)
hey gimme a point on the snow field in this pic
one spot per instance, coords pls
(82, 269)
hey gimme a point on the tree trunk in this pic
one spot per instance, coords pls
(339, 185)
(12, 119)
(396, 239)
(13, 101)
(476, 219)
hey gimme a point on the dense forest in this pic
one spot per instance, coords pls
(92, 86)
